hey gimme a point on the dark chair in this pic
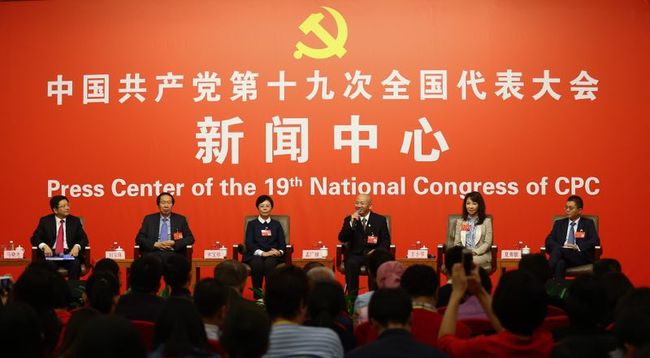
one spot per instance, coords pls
(86, 264)
(478, 326)
(555, 322)
(598, 250)
(146, 330)
(239, 249)
(442, 248)
(341, 251)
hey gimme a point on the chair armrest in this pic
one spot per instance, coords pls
(288, 254)
(598, 251)
(392, 250)
(493, 253)
(136, 252)
(237, 250)
(338, 259)
(189, 250)
(87, 262)
(35, 253)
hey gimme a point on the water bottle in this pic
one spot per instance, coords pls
(11, 244)
(525, 250)
(114, 246)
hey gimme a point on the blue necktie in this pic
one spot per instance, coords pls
(163, 230)
(571, 238)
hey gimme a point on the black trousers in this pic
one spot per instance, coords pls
(261, 268)
(562, 258)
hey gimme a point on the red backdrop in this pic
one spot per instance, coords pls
(515, 141)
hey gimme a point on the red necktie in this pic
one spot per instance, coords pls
(58, 246)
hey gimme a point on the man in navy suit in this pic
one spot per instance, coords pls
(164, 233)
(572, 240)
(60, 234)
(363, 231)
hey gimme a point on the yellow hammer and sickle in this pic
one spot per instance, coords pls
(333, 46)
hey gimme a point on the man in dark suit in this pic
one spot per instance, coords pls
(164, 233)
(572, 240)
(390, 313)
(60, 234)
(363, 231)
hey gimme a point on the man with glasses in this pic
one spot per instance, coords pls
(572, 240)
(363, 231)
(61, 235)
(164, 233)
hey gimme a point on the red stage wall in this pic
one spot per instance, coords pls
(528, 152)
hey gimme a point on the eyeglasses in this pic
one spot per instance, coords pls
(570, 207)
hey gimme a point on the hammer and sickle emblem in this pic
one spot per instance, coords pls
(333, 46)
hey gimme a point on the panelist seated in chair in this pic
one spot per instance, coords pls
(362, 231)
(474, 230)
(572, 240)
(60, 234)
(265, 243)
(164, 232)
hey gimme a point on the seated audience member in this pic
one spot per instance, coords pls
(537, 265)
(164, 233)
(180, 331)
(102, 291)
(388, 276)
(233, 274)
(246, 331)
(604, 266)
(586, 306)
(265, 243)
(177, 273)
(473, 230)
(310, 265)
(572, 240)
(453, 255)
(471, 308)
(390, 312)
(108, 336)
(421, 283)
(22, 336)
(632, 325)
(210, 298)
(77, 323)
(286, 296)
(107, 265)
(60, 234)
(516, 312)
(45, 290)
(375, 259)
(617, 285)
(141, 302)
(326, 308)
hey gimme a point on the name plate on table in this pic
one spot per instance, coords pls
(417, 254)
(215, 254)
(313, 254)
(511, 254)
(14, 254)
(115, 255)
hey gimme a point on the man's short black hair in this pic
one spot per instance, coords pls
(576, 199)
(262, 198)
(536, 265)
(109, 265)
(390, 305)
(246, 331)
(210, 296)
(453, 255)
(604, 266)
(145, 274)
(231, 273)
(376, 258)
(165, 193)
(586, 302)
(286, 292)
(176, 270)
(54, 202)
(420, 280)
(519, 302)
